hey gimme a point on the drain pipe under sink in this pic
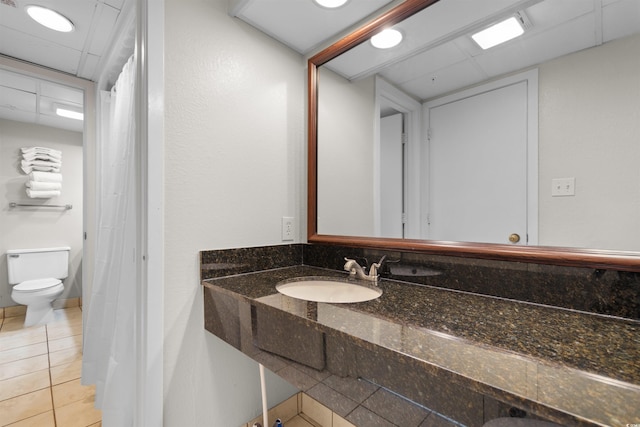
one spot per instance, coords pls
(263, 388)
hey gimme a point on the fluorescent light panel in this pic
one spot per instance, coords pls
(49, 18)
(68, 112)
(499, 33)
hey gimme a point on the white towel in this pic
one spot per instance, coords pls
(43, 163)
(45, 176)
(42, 150)
(38, 185)
(42, 194)
(38, 156)
(29, 169)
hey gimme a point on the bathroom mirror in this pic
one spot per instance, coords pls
(434, 33)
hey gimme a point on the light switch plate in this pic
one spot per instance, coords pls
(563, 187)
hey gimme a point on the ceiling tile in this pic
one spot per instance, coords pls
(302, 24)
(17, 81)
(15, 99)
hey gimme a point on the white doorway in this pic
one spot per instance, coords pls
(392, 173)
(482, 164)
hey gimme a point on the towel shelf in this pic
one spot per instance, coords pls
(15, 205)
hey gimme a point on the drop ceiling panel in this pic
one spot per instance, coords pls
(17, 81)
(118, 4)
(105, 23)
(38, 51)
(433, 26)
(443, 81)
(620, 19)
(89, 68)
(79, 12)
(61, 93)
(576, 35)
(15, 99)
(18, 116)
(302, 24)
(427, 63)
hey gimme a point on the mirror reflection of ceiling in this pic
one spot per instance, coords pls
(32, 100)
(439, 56)
(438, 53)
(97, 48)
(302, 24)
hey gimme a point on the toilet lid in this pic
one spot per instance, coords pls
(36, 285)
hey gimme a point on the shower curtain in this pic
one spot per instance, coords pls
(109, 347)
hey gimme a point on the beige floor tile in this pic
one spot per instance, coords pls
(63, 357)
(66, 303)
(25, 406)
(298, 421)
(16, 310)
(14, 324)
(64, 330)
(63, 373)
(316, 411)
(23, 366)
(72, 391)
(45, 419)
(14, 339)
(98, 424)
(78, 414)
(65, 343)
(23, 352)
(66, 315)
(24, 384)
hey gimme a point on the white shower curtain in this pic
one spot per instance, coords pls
(109, 348)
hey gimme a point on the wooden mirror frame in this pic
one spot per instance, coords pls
(589, 258)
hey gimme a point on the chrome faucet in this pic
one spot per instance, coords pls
(356, 270)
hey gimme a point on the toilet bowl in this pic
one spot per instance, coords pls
(38, 295)
(36, 275)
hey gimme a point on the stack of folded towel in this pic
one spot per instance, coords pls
(41, 159)
(43, 167)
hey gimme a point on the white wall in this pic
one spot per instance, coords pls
(22, 228)
(589, 121)
(345, 155)
(234, 166)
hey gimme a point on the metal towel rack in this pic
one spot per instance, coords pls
(15, 205)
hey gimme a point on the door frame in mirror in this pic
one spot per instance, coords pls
(574, 257)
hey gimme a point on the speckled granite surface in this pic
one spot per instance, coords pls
(462, 354)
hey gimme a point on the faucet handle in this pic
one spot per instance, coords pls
(373, 270)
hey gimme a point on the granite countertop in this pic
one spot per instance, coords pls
(561, 361)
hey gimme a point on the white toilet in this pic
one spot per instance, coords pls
(36, 274)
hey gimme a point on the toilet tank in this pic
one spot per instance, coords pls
(31, 264)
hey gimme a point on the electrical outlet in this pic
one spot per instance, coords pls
(288, 228)
(563, 187)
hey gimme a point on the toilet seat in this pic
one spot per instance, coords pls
(36, 285)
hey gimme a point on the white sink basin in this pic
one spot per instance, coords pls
(327, 290)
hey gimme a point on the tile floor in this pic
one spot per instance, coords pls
(40, 373)
(300, 410)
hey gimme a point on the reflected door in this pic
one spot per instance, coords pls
(478, 167)
(391, 177)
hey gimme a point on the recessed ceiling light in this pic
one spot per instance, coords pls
(49, 18)
(386, 39)
(331, 4)
(499, 33)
